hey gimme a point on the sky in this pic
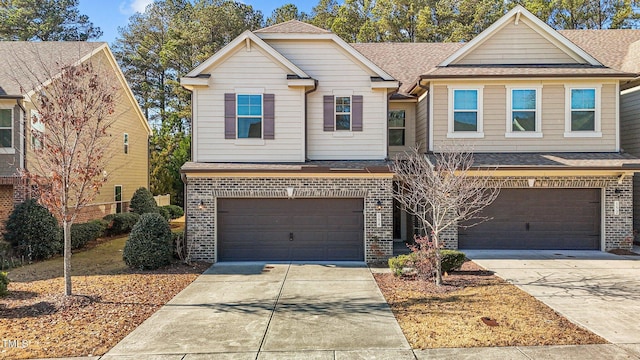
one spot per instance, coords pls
(111, 14)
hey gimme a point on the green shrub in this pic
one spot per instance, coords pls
(149, 244)
(451, 260)
(121, 223)
(32, 231)
(399, 263)
(4, 283)
(142, 202)
(174, 210)
(165, 213)
(81, 234)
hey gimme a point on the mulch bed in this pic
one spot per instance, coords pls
(37, 320)
(474, 308)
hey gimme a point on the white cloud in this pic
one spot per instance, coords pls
(131, 7)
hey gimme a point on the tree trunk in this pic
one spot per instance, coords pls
(66, 229)
(438, 277)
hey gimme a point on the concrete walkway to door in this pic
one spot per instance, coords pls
(596, 290)
(280, 311)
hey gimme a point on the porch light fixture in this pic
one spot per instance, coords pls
(201, 205)
(532, 182)
(379, 205)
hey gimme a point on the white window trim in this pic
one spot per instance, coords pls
(567, 112)
(398, 128)
(121, 202)
(466, 134)
(524, 134)
(336, 113)
(12, 148)
(250, 141)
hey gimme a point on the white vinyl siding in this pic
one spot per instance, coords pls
(552, 124)
(338, 74)
(245, 69)
(517, 44)
(422, 121)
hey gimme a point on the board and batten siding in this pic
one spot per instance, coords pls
(630, 139)
(553, 120)
(516, 44)
(338, 74)
(248, 69)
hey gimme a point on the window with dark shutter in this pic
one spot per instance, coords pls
(229, 116)
(356, 112)
(269, 117)
(329, 118)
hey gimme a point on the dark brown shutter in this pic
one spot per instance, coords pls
(356, 113)
(229, 116)
(329, 113)
(268, 101)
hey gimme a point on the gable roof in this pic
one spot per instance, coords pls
(618, 49)
(247, 35)
(38, 58)
(407, 61)
(293, 26)
(29, 65)
(541, 27)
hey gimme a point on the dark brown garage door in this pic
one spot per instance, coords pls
(290, 229)
(538, 219)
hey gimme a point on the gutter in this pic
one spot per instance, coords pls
(23, 153)
(306, 117)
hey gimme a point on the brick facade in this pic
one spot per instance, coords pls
(617, 228)
(201, 231)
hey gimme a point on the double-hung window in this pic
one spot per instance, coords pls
(465, 112)
(343, 113)
(6, 128)
(582, 111)
(249, 116)
(396, 128)
(524, 114)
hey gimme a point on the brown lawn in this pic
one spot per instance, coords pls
(451, 316)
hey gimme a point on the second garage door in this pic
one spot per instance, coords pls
(538, 219)
(290, 229)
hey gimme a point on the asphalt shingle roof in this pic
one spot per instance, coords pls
(618, 49)
(27, 64)
(293, 26)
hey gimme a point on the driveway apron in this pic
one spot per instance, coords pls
(596, 290)
(260, 311)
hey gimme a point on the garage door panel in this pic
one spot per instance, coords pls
(260, 229)
(538, 219)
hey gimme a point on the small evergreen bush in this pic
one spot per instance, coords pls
(149, 245)
(165, 213)
(399, 264)
(33, 232)
(451, 260)
(120, 223)
(142, 202)
(81, 234)
(174, 210)
(4, 283)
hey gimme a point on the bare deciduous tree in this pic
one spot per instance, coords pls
(441, 191)
(75, 109)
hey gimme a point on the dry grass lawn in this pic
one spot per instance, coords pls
(451, 316)
(111, 300)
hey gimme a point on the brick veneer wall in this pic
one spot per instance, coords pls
(618, 229)
(201, 231)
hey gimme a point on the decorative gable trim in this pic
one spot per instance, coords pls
(239, 41)
(539, 26)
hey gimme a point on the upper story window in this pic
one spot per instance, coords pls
(125, 140)
(6, 128)
(249, 116)
(582, 117)
(343, 113)
(37, 130)
(397, 128)
(524, 115)
(465, 112)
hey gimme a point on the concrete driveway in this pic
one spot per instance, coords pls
(280, 311)
(596, 290)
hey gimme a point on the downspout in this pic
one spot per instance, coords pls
(24, 135)
(306, 117)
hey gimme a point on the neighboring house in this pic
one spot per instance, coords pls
(27, 66)
(293, 130)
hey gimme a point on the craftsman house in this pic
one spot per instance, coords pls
(29, 65)
(293, 131)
